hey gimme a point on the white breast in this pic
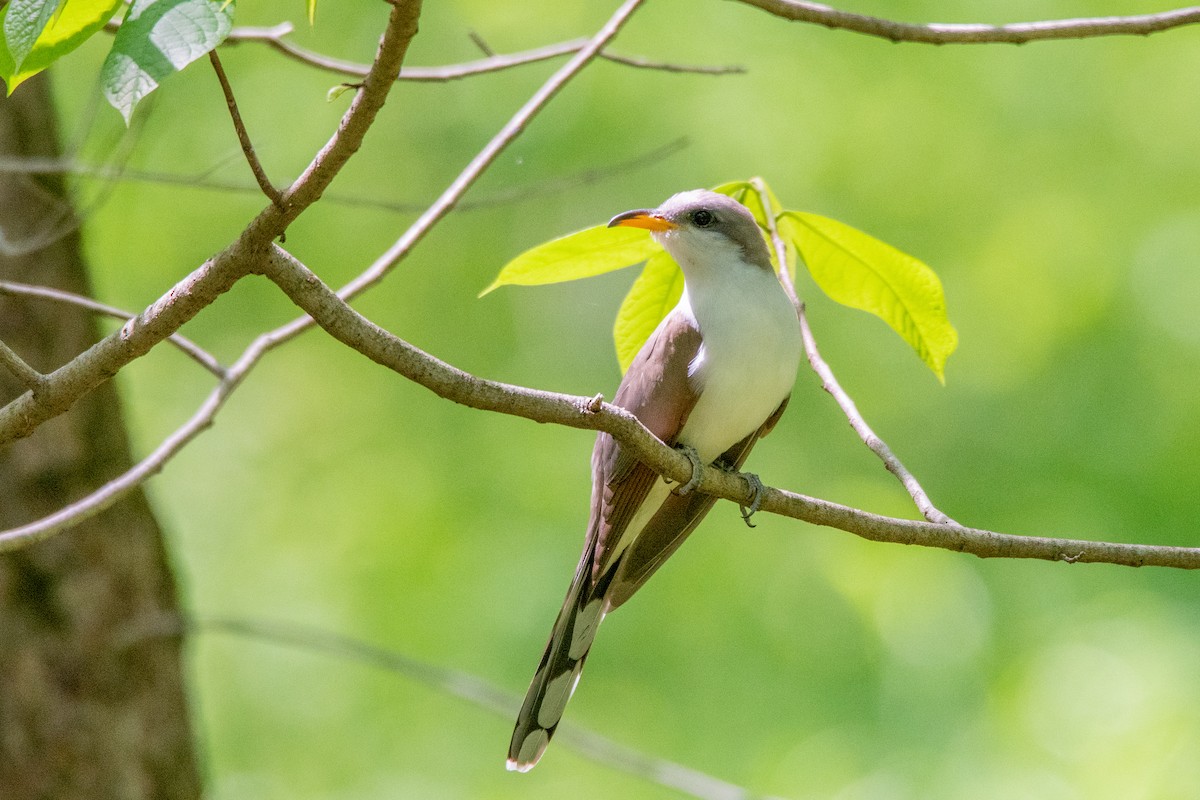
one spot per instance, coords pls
(748, 362)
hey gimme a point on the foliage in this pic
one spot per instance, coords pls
(850, 266)
(156, 38)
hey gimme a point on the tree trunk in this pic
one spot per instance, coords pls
(90, 707)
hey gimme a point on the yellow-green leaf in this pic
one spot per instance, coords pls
(74, 23)
(589, 252)
(862, 272)
(652, 296)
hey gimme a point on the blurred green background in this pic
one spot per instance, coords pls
(1054, 187)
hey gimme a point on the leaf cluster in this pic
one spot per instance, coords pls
(851, 267)
(155, 39)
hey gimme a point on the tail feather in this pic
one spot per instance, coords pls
(560, 668)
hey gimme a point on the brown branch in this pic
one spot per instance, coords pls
(275, 37)
(971, 33)
(352, 329)
(187, 346)
(450, 197)
(63, 387)
(29, 377)
(114, 490)
(256, 167)
(830, 383)
(102, 360)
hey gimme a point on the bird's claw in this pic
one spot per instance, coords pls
(756, 487)
(694, 481)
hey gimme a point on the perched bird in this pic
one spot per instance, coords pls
(714, 376)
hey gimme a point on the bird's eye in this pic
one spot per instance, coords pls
(702, 218)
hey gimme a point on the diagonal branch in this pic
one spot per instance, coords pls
(256, 167)
(13, 417)
(971, 33)
(474, 690)
(830, 383)
(187, 346)
(29, 377)
(63, 387)
(450, 197)
(876, 445)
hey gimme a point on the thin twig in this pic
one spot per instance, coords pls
(476, 691)
(972, 33)
(256, 167)
(29, 377)
(275, 37)
(479, 42)
(514, 194)
(877, 445)
(187, 346)
(830, 383)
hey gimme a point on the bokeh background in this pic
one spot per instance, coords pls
(1053, 187)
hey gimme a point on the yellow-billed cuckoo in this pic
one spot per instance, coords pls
(713, 377)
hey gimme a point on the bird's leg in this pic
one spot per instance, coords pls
(756, 486)
(693, 457)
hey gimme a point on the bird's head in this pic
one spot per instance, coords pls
(701, 229)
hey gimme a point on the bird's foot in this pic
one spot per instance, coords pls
(756, 487)
(694, 481)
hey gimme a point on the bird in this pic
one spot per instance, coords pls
(713, 378)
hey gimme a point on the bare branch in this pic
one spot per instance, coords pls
(352, 329)
(830, 383)
(276, 38)
(79, 376)
(24, 414)
(877, 445)
(450, 197)
(970, 33)
(193, 350)
(256, 167)
(478, 692)
(29, 377)
(104, 359)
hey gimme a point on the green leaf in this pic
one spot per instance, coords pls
(312, 12)
(23, 24)
(589, 252)
(862, 272)
(157, 39)
(652, 296)
(76, 22)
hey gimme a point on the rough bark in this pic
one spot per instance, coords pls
(89, 707)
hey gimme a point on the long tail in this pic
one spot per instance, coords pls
(560, 668)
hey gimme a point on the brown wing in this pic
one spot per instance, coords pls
(677, 518)
(658, 391)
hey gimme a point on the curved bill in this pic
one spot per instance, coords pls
(642, 218)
